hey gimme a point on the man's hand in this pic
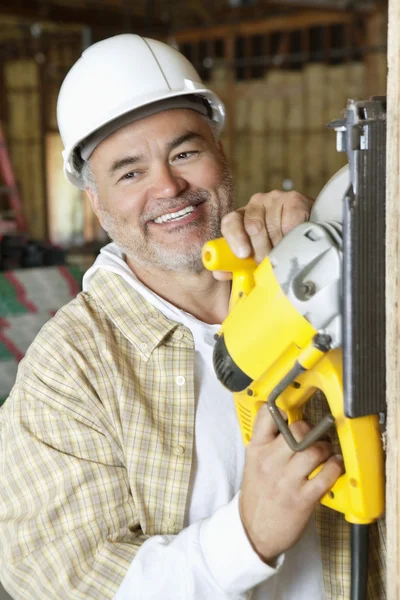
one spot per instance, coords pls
(277, 498)
(256, 228)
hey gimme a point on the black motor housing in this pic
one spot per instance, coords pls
(227, 371)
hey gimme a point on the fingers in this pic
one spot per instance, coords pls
(232, 228)
(319, 485)
(300, 464)
(277, 498)
(273, 208)
(265, 429)
(247, 232)
(305, 462)
(296, 209)
(259, 226)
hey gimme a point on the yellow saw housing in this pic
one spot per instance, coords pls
(263, 337)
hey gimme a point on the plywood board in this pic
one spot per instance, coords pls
(24, 140)
(393, 303)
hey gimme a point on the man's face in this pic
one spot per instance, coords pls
(163, 186)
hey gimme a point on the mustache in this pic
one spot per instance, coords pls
(168, 205)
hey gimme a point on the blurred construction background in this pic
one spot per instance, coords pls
(285, 68)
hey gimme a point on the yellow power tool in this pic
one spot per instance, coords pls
(282, 341)
(312, 316)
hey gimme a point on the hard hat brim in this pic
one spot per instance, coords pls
(191, 88)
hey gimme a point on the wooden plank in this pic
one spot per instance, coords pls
(282, 23)
(338, 79)
(315, 82)
(257, 148)
(95, 15)
(229, 134)
(42, 117)
(25, 139)
(66, 209)
(296, 138)
(375, 60)
(279, 126)
(392, 304)
(356, 81)
(277, 92)
(241, 157)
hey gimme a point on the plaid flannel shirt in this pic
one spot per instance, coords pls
(96, 451)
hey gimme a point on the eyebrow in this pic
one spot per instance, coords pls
(188, 136)
(129, 161)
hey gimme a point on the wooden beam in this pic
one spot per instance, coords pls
(375, 60)
(393, 303)
(97, 15)
(327, 4)
(290, 22)
(229, 52)
(221, 13)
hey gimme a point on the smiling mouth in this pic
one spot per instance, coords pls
(175, 216)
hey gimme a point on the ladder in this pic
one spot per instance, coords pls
(11, 215)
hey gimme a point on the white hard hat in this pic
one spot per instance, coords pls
(117, 76)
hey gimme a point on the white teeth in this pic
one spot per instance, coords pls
(175, 215)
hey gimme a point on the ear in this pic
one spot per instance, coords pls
(221, 148)
(94, 201)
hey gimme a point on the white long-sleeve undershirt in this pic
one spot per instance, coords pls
(211, 558)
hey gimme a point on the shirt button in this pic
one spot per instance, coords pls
(143, 346)
(180, 380)
(170, 523)
(179, 450)
(179, 335)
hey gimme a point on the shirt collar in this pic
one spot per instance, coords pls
(138, 320)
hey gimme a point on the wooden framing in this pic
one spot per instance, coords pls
(376, 28)
(97, 15)
(288, 42)
(267, 47)
(393, 301)
(284, 87)
(282, 23)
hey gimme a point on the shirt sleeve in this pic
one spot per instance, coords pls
(69, 528)
(209, 559)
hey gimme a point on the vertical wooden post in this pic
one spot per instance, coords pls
(229, 54)
(393, 302)
(42, 116)
(375, 59)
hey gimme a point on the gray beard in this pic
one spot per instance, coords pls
(147, 252)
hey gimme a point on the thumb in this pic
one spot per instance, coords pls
(222, 275)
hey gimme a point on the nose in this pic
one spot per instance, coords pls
(167, 182)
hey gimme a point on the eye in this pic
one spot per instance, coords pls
(186, 155)
(131, 175)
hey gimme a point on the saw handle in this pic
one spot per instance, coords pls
(218, 256)
(358, 493)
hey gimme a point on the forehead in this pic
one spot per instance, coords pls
(160, 128)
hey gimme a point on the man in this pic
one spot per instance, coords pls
(123, 471)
